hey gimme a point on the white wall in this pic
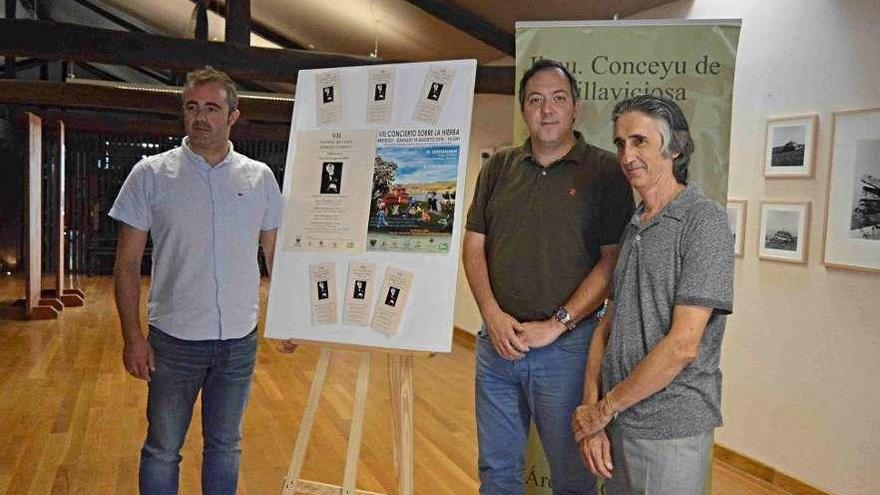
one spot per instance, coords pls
(492, 127)
(801, 357)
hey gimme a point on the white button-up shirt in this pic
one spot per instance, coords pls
(205, 224)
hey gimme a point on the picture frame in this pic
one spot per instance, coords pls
(852, 215)
(736, 219)
(784, 232)
(789, 146)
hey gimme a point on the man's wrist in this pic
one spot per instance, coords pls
(609, 405)
(557, 326)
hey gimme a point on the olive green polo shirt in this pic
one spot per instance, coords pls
(544, 225)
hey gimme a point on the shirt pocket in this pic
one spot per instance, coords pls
(243, 200)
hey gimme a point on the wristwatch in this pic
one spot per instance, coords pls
(563, 316)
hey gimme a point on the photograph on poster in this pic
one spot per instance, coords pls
(413, 198)
(392, 302)
(736, 219)
(331, 177)
(789, 151)
(327, 208)
(784, 231)
(380, 95)
(434, 94)
(360, 289)
(391, 298)
(852, 225)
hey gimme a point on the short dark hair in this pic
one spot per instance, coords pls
(674, 128)
(208, 75)
(547, 64)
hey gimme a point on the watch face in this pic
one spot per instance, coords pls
(562, 315)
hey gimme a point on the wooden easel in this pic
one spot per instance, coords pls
(400, 381)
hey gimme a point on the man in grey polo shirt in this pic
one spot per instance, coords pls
(653, 383)
(206, 208)
(540, 246)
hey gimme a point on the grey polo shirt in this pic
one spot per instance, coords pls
(205, 224)
(683, 256)
(544, 226)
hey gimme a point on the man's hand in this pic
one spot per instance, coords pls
(596, 454)
(137, 356)
(589, 420)
(540, 333)
(502, 332)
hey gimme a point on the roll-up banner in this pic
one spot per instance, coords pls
(689, 61)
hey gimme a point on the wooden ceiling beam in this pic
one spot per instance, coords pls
(106, 122)
(469, 23)
(125, 98)
(61, 41)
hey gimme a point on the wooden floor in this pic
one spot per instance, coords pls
(72, 421)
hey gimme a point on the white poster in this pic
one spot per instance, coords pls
(369, 246)
(332, 176)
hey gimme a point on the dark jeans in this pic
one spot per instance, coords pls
(222, 370)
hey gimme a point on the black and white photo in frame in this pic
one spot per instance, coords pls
(736, 219)
(790, 143)
(784, 231)
(852, 223)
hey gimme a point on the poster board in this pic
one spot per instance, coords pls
(375, 158)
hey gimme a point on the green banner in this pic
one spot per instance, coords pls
(691, 62)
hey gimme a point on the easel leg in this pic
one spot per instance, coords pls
(308, 421)
(400, 378)
(357, 425)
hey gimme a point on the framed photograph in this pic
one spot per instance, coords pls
(736, 218)
(790, 142)
(783, 231)
(852, 221)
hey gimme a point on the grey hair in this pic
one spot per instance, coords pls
(674, 129)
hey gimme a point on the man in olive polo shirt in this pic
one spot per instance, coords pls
(540, 246)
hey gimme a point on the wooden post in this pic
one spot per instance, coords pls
(68, 297)
(238, 21)
(400, 379)
(305, 425)
(35, 307)
(201, 31)
(10, 59)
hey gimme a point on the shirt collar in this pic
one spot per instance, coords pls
(200, 162)
(677, 208)
(574, 154)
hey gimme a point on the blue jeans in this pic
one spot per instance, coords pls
(547, 385)
(222, 370)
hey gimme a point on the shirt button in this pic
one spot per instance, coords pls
(638, 238)
(543, 172)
